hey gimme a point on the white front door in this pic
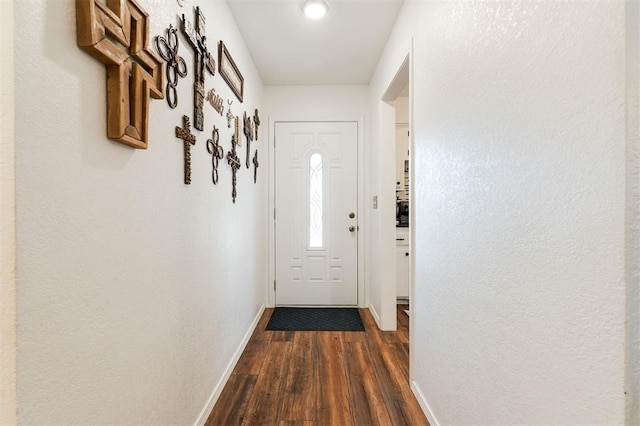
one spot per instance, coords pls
(316, 213)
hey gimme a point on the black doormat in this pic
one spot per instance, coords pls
(315, 319)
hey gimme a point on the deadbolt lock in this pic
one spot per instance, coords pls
(352, 215)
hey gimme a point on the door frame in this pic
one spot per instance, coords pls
(363, 233)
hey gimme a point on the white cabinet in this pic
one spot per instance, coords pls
(402, 263)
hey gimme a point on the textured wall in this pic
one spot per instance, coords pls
(633, 211)
(7, 221)
(134, 290)
(519, 302)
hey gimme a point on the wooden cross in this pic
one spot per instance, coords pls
(256, 120)
(248, 132)
(189, 139)
(255, 167)
(116, 33)
(202, 60)
(234, 162)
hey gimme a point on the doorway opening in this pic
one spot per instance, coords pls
(398, 96)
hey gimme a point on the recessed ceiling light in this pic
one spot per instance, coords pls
(315, 9)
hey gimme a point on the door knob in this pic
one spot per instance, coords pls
(352, 215)
(352, 228)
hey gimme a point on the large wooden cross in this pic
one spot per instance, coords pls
(202, 59)
(189, 139)
(117, 34)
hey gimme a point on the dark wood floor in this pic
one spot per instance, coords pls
(322, 378)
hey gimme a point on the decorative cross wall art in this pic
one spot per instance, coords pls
(248, 132)
(230, 115)
(117, 34)
(189, 139)
(255, 166)
(202, 60)
(217, 153)
(256, 121)
(234, 162)
(176, 66)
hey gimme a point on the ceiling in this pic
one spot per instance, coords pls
(342, 48)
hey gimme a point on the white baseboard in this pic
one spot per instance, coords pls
(375, 315)
(426, 408)
(217, 390)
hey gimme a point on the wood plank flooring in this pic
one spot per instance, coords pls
(322, 378)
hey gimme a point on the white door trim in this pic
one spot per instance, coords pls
(364, 226)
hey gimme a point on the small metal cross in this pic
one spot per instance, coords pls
(230, 115)
(248, 132)
(234, 162)
(217, 153)
(189, 139)
(256, 120)
(255, 167)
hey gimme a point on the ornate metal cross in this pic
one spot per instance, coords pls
(202, 59)
(248, 132)
(256, 120)
(217, 153)
(255, 167)
(117, 34)
(234, 162)
(189, 139)
(230, 115)
(176, 67)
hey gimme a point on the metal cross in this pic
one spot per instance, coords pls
(234, 162)
(230, 115)
(255, 167)
(189, 139)
(202, 60)
(176, 67)
(217, 153)
(256, 120)
(248, 132)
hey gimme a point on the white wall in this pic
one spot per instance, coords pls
(402, 110)
(327, 103)
(8, 411)
(134, 290)
(633, 211)
(519, 300)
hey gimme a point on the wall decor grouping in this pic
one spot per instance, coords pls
(230, 72)
(176, 66)
(117, 34)
(216, 101)
(188, 139)
(217, 153)
(202, 60)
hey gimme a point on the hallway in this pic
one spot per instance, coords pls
(322, 378)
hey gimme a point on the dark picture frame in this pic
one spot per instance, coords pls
(230, 72)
